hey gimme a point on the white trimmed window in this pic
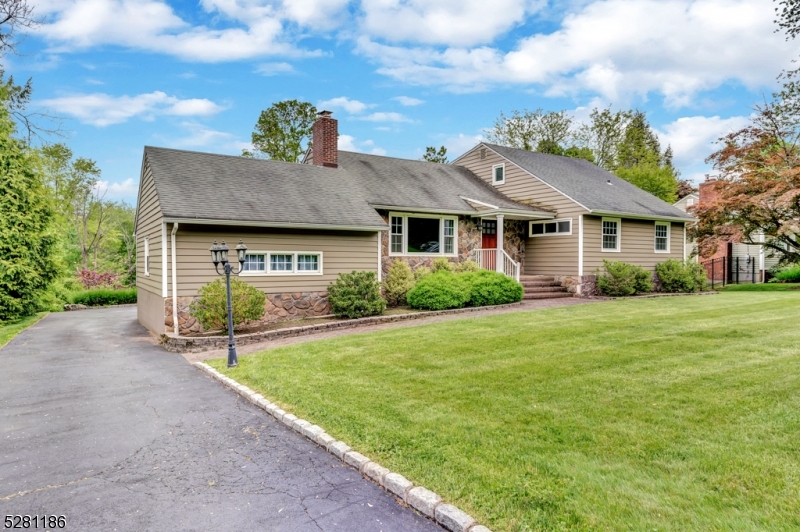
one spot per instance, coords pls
(551, 228)
(611, 234)
(499, 174)
(662, 237)
(422, 234)
(282, 263)
(147, 257)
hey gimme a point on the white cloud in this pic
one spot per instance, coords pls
(200, 135)
(102, 110)
(459, 144)
(343, 102)
(450, 22)
(693, 138)
(247, 28)
(115, 191)
(407, 101)
(348, 143)
(615, 48)
(385, 117)
(274, 69)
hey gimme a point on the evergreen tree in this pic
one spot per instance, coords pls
(27, 243)
(432, 155)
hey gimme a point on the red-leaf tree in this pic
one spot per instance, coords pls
(757, 191)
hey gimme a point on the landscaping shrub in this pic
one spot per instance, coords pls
(211, 308)
(679, 276)
(440, 291)
(399, 281)
(468, 265)
(492, 288)
(355, 295)
(623, 279)
(787, 274)
(442, 265)
(103, 296)
(421, 272)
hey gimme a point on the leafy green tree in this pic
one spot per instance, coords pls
(282, 129)
(581, 152)
(657, 180)
(549, 146)
(432, 155)
(27, 242)
(525, 130)
(603, 134)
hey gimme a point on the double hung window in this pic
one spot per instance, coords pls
(662, 237)
(611, 234)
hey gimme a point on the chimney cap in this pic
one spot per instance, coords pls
(324, 114)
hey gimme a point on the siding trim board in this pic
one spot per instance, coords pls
(238, 223)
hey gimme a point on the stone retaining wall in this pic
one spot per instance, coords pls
(181, 344)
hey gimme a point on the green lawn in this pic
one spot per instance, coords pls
(677, 413)
(761, 287)
(9, 330)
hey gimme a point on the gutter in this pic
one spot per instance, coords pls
(475, 214)
(239, 223)
(637, 216)
(175, 284)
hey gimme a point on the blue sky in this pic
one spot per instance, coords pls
(399, 75)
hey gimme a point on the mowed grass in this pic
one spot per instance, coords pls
(675, 413)
(761, 287)
(8, 330)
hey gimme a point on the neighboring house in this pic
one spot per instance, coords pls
(684, 204)
(517, 212)
(741, 260)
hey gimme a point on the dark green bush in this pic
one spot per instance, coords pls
(623, 279)
(679, 276)
(211, 308)
(492, 288)
(787, 274)
(355, 295)
(103, 296)
(440, 291)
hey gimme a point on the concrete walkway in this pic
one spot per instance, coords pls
(536, 304)
(99, 424)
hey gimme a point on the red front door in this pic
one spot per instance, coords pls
(489, 241)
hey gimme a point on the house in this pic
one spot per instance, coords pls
(684, 204)
(735, 261)
(517, 212)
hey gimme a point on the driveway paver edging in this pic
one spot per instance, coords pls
(198, 344)
(421, 499)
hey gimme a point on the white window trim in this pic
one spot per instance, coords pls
(405, 216)
(567, 233)
(669, 234)
(619, 235)
(294, 271)
(503, 181)
(146, 257)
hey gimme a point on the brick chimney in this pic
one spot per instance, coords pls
(707, 191)
(324, 140)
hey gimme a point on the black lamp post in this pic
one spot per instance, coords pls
(219, 254)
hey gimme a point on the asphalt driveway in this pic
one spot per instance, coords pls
(102, 426)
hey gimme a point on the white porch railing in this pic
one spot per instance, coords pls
(487, 259)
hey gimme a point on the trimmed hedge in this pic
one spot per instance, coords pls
(103, 296)
(446, 290)
(440, 291)
(356, 295)
(492, 288)
(679, 276)
(623, 279)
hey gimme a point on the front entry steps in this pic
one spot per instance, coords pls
(542, 287)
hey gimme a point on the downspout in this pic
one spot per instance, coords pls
(380, 261)
(175, 284)
(164, 289)
(684, 243)
(580, 245)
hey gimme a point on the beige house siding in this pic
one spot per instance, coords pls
(150, 310)
(148, 226)
(637, 239)
(551, 255)
(342, 251)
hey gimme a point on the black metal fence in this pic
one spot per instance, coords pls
(732, 270)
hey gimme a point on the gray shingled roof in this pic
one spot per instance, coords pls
(588, 184)
(223, 187)
(420, 184)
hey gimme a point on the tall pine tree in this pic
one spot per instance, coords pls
(27, 242)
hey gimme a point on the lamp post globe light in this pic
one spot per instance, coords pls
(219, 255)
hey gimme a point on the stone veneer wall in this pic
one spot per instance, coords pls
(279, 307)
(469, 238)
(580, 285)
